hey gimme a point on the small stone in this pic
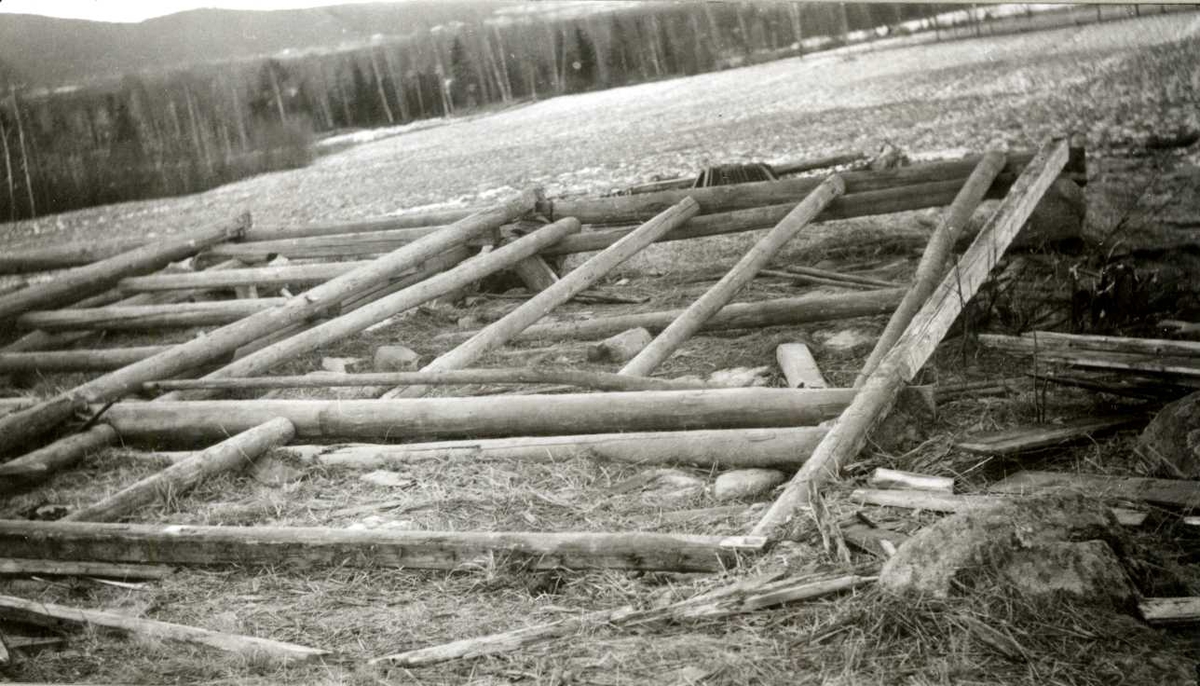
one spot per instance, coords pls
(741, 377)
(396, 358)
(1170, 442)
(847, 339)
(621, 347)
(270, 471)
(338, 365)
(747, 483)
(382, 477)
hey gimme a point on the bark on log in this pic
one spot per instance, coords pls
(742, 273)
(742, 596)
(71, 285)
(500, 332)
(777, 312)
(77, 360)
(799, 367)
(108, 570)
(934, 261)
(487, 416)
(231, 454)
(921, 337)
(147, 317)
(604, 381)
(23, 426)
(52, 615)
(382, 308)
(313, 547)
(783, 448)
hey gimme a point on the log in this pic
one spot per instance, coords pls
(839, 276)
(501, 331)
(53, 615)
(798, 366)
(337, 245)
(935, 501)
(38, 465)
(1170, 611)
(1143, 363)
(535, 273)
(428, 219)
(783, 448)
(621, 347)
(736, 598)
(298, 274)
(776, 312)
(742, 273)
(1028, 438)
(604, 381)
(72, 285)
(110, 570)
(14, 404)
(353, 322)
(1043, 341)
(77, 360)
(25, 260)
(815, 163)
(817, 280)
(934, 260)
(921, 337)
(231, 454)
(487, 416)
(314, 547)
(20, 427)
(909, 481)
(1169, 492)
(147, 317)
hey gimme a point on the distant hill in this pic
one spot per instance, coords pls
(47, 51)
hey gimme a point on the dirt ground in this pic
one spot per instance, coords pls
(1123, 84)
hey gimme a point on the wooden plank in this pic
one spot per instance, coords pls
(315, 547)
(921, 337)
(742, 273)
(81, 281)
(54, 615)
(1169, 492)
(535, 273)
(605, 381)
(909, 481)
(777, 448)
(799, 366)
(234, 453)
(1145, 363)
(1114, 344)
(775, 312)
(1170, 611)
(147, 317)
(111, 570)
(485, 416)
(736, 598)
(579, 279)
(21, 427)
(1031, 437)
(934, 259)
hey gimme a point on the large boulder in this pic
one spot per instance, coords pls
(1171, 442)
(1038, 546)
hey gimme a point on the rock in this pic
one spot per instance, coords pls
(1038, 546)
(1171, 442)
(847, 339)
(621, 347)
(270, 471)
(338, 365)
(740, 377)
(396, 358)
(747, 483)
(382, 477)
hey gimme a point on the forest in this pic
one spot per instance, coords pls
(176, 131)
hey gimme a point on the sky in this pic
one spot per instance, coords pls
(138, 10)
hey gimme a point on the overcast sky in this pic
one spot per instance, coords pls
(137, 10)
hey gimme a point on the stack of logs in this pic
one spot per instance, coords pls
(431, 254)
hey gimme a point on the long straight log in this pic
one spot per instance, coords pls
(52, 615)
(934, 261)
(77, 360)
(228, 455)
(734, 281)
(431, 219)
(110, 570)
(1115, 344)
(776, 312)
(25, 260)
(838, 276)
(337, 245)
(921, 337)
(147, 317)
(106, 273)
(313, 547)
(486, 416)
(21, 427)
(603, 381)
(1146, 363)
(306, 274)
(372, 313)
(37, 466)
(579, 279)
(782, 448)
(743, 596)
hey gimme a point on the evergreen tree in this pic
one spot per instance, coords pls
(584, 67)
(464, 86)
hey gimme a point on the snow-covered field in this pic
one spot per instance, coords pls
(1114, 81)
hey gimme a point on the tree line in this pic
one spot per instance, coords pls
(181, 131)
